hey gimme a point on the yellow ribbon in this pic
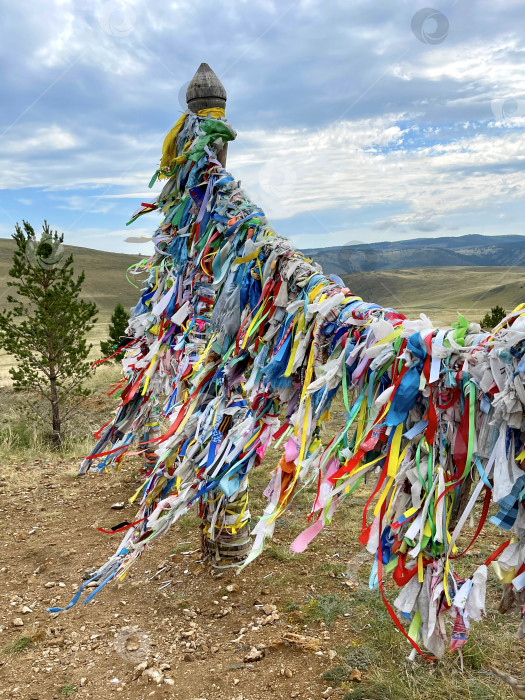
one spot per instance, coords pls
(247, 258)
(169, 147)
(393, 458)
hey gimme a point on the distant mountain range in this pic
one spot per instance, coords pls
(474, 250)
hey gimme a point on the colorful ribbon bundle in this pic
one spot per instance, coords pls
(234, 324)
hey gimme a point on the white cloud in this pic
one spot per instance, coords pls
(62, 40)
(87, 203)
(352, 165)
(42, 139)
(147, 195)
(114, 240)
(486, 65)
(98, 158)
(428, 131)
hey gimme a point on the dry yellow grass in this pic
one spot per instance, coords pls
(442, 292)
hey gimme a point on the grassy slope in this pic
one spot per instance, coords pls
(441, 292)
(438, 291)
(105, 284)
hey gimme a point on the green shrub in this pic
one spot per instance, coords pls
(17, 645)
(327, 607)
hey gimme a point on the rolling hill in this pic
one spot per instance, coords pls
(105, 284)
(437, 285)
(442, 292)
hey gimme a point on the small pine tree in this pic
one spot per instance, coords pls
(117, 333)
(45, 328)
(491, 320)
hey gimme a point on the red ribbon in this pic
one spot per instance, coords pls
(121, 529)
(391, 611)
(484, 512)
(117, 351)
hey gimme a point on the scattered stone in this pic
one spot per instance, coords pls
(18, 622)
(154, 674)
(268, 609)
(83, 682)
(253, 655)
(26, 610)
(328, 692)
(355, 676)
(49, 584)
(271, 618)
(232, 588)
(118, 506)
(286, 672)
(139, 669)
(169, 681)
(353, 585)
(301, 641)
(165, 667)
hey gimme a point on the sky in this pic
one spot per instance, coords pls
(356, 121)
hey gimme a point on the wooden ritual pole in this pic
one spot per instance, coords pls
(222, 545)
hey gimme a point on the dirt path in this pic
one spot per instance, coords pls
(183, 632)
(195, 633)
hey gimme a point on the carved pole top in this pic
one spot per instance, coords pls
(205, 90)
